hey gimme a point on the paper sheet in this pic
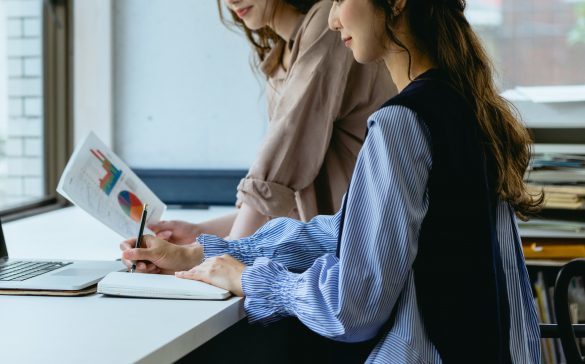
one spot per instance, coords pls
(97, 181)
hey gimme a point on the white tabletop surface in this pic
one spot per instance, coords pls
(99, 329)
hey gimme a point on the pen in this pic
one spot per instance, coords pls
(140, 231)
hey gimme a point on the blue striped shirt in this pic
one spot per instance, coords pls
(350, 298)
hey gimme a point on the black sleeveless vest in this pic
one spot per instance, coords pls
(459, 277)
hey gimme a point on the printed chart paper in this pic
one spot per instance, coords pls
(97, 181)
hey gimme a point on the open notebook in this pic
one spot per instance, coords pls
(158, 286)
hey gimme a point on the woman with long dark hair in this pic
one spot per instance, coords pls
(423, 263)
(318, 98)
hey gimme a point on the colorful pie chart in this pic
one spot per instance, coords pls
(131, 205)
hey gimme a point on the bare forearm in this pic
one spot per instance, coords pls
(220, 226)
(246, 223)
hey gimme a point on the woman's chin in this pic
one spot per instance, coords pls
(363, 59)
(252, 25)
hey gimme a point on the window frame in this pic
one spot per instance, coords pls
(57, 41)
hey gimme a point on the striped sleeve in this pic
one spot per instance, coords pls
(349, 298)
(293, 243)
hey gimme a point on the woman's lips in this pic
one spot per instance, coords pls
(242, 12)
(347, 41)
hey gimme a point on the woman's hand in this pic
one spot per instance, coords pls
(176, 232)
(160, 256)
(222, 271)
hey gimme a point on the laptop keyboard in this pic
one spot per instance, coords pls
(21, 271)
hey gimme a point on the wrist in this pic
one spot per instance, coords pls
(195, 254)
(184, 257)
(196, 230)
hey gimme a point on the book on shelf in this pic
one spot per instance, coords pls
(560, 354)
(552, 229)
(561, 177)
(544, 314)
(552, 239)
(543, 288)
(573, 190)
(558, 176)
(554, 250)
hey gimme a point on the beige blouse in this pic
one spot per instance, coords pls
(317, 120)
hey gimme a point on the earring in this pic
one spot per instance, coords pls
(396, 11)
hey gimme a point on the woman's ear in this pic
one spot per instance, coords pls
(398, 7)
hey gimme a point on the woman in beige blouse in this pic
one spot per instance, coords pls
(318, 101)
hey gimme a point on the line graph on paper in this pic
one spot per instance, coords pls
(97, 181)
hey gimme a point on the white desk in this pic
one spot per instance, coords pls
(99, 329)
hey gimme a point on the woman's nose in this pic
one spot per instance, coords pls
(334, 23)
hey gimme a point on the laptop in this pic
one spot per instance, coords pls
(62, 275)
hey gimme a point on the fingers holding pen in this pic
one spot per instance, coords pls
(147, 267)
(143, 257)
(166, 257)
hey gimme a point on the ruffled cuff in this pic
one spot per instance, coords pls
(269, 198)
(268, 288)
(242, 249)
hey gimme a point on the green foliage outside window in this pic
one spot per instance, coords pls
(577, 34)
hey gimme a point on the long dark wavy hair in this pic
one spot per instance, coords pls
(263, 39)
(442, 32)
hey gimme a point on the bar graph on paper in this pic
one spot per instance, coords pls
(97, 181)
(108, 181)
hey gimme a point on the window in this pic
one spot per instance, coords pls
(538, 49)
(33, 101)
(532, 42)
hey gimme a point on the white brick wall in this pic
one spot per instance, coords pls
(15, 107)
(33, 106)
(15, 186)
(14, 68)
(25, 127)
(21, 155)
(32, 27)
(24, 87)
(14, 29)
(23, 47)
(33, 147)
(24, 167)
(32, 67)
(23, 8)
(14, 147)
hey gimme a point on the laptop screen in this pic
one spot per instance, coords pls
(3, 250)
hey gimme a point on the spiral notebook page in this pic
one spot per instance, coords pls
(158, 286)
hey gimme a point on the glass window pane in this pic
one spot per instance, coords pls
(532, 42)
(21, 103)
